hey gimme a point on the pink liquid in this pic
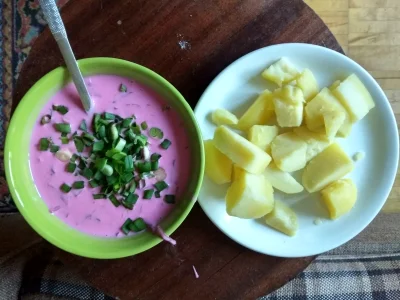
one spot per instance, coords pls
(78, 208)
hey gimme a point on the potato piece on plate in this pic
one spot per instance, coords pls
(250, 196)
(281, 180)
(262, 135)
(259, 113)
(218, 167)
(355, 97)
(242, 152)
(326, 107)
(308, 84)
(288, 104)
(221, 116)
(316, 142)
(281, 72)
(283, 219)
(330, 165)
(339, 197)
(289, 152)
(334, 85)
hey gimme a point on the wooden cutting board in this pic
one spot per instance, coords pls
(188, 42)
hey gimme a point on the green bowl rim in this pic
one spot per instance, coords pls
(165, 85)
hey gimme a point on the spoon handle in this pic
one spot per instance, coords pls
(57, 29)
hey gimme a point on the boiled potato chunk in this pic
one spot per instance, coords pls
(288, 103)
(355, 97)
(283, 219)
(259, 113)
(339, 197)
(334, 85)
(289, 152)
(308, 84)
(281, 72)
(281, 180)
(240, 151)
(223, 117)
(325, 107)
(262, 135)
(218, 167)
(328, 166)
(316, 142)
(249, 197)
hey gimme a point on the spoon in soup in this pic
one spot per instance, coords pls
(57, 29)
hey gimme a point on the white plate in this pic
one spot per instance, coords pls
(376, 135)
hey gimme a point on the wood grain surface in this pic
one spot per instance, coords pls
(189, 43)
(369, 33)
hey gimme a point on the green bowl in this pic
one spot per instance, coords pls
(22, 186)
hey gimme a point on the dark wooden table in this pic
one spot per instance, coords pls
(188, 42)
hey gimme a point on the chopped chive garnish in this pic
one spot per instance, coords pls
(132, 198)
(114, 200)
(170, 199)
(98, 146)
(83, 126)
(123, 88)
(132, 187)
(63, 127)
(137, 225)
(120, 144)
(107, 170)
(165, 144)
(61, 109)
(127, 205)
(54, 148)
(144, 125)
(155, 157)
(74, 157)
(113, 134)
(127, 177)
(65, 188)
(64, 140)
(79, 145)
(102, 131)
(125, 227)
(45, 119)
(130, 135)
(71, 167)
(44, 144)
(93, 183)
(87, 173)
(88, 136)
(147, 194)
(154, 165)
(126, 122)
(128, 163)
(111, 179)
(78, 185)
(135, 129)
(143, 166)
(161, 185)
(99, 196)
(157, 194)
(156, 132)
(109, 116)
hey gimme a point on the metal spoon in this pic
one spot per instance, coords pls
(57, 29)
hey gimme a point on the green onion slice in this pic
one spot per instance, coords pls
(44, 144)
(147, 194)
(78, 185)
(61, 109)
(165, 144)
(65, 188)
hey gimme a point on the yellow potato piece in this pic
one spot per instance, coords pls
(280, 72)
(281, 180)
(355, 97)
(223, 117)
(259, 113)
(218, 167)
(242, 152)
(289, 152)
(262, 135)
(328, 166)
(316, 142)
(334, 85)
(326, 107)
(339, 197)
(283, 219)
(288, 104)
(308, 84)
(249, 197)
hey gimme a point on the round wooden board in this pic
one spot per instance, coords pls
(188, 42)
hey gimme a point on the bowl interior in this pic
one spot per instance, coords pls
(21, 182)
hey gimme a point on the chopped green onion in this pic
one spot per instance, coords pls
(137, 225)
(88, 136)
(156, 132)
(108, 116)
(64, 140)
(78, 185)
(54, 148)
(135, 129)
(157, 194)
(144, 125)
(128, 163)
(44, 144)
(98, 146)
(127, 177)
(161, 185)
(132, 198)
(93, 183)
(127, 205)
(114, 200)
(102, 131)
(98, 176)
(61, 109)
(63, 127)
(87, 173)
(74, 157)
(132, 186)
(65, 188)
(126, 122)
(123, 88)
(141, 140)
(112, 179)
(165, 144)
(170, 199)
(154, 165)
(143, 166)
(71, 167)
(79, 144)
(99, 196)
(155, 157)
(101, 163)
(45, 119)
(113, 134)
(147, 194)
(120, 144)
(125, 227)
(107, 170)
(83, 126)
(130, 135)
